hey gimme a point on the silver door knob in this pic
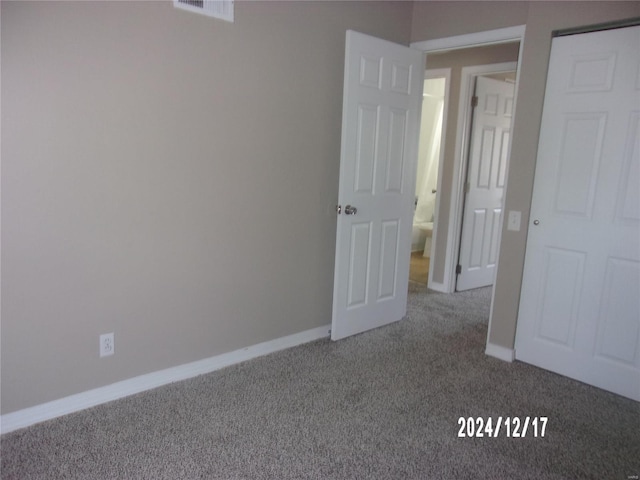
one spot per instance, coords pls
(536, 222)
(349, 210)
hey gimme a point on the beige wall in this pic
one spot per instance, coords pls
(441, 19)
(456, 60)
(433, 19)
(167, 177)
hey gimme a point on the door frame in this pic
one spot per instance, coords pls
(464, 131)
(489, 37)
(485, 38)
(446, 74)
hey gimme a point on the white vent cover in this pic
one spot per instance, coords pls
(222, 9)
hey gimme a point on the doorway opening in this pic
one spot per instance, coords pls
(443, 160)
(434, 106)
(457, 53)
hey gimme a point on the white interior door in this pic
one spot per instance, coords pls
(580, 302)
(486, 175)
(380, 128)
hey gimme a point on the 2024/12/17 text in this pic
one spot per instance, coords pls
(512, 427)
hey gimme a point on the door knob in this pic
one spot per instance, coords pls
(536, 222)
(349, 210)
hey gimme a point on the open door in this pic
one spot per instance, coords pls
(486, 177)
(380, 130)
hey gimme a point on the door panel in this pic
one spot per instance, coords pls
(367, 128)
(504, 156)
(558, 307)
(618, 325)
(359, 264)
(395, 156)
(388, 259)
(579, 162)
(580, 301)
(629, 203)
(488, 157)
(495, 236)
(380, 127)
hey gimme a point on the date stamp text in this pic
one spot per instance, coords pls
(511, 427)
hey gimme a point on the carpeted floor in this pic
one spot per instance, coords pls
(381, 405)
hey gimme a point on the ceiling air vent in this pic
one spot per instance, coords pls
(222, 9)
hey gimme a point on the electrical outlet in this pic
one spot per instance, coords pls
(107, 344)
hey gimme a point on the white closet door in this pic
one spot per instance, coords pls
(580, 304)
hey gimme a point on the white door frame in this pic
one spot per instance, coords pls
(446, 74)
(490, 37)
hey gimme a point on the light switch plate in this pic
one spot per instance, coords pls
(513, 221)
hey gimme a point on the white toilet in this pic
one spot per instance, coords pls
(426, 227)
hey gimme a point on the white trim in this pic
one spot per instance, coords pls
(446, 74)
(74, 403)
(499, 352)
(436, 286)
(489, 37)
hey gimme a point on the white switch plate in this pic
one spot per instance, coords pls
(513, 222)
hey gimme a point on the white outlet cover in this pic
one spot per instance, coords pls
(107, 345)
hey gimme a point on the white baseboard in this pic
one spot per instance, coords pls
(501, 353)
(438, 287)
(74, 403)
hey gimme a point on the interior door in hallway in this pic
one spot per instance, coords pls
(486, 176)
(580, 302)
(380, 129)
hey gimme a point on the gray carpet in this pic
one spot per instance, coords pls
(381, 405)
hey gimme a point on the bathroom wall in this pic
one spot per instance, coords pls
(428, 158)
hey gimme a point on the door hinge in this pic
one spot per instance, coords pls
(458, 269)
(467, 187)
(474, 101)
